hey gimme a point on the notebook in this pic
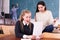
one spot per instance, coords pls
(38, 27)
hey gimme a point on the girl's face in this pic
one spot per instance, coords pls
(41, 8)
(27, 17)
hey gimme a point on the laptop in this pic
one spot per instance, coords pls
(38, 27)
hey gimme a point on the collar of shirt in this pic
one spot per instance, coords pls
(25, 23)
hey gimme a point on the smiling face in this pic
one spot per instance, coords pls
(27, 17)
(41, 8)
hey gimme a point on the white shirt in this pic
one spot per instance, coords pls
(25, 23)
(25, 36)
(45, 17)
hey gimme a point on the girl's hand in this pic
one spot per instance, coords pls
(41, 36)
(55, 19)
(32, 37)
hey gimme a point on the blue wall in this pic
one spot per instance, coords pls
(52, 5)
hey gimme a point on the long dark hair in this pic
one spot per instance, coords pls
(40, 3)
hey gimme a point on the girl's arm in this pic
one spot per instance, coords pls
(51, 19)
(18, 30)
(17, 6)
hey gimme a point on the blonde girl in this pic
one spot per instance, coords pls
(23, 27)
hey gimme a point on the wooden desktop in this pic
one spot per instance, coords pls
(9, 34)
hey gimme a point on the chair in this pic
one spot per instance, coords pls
(8, 19)
(2, 18)
(1, 31)
(8, 29)
(5, 30)
(2, 13)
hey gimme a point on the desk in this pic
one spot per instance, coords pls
(46, 36)
(9, 37)
(12, 37)
(51, 36)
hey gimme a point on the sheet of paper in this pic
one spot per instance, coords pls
(25, 39)
(38, 27)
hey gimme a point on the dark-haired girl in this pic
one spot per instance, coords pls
(44, 15)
